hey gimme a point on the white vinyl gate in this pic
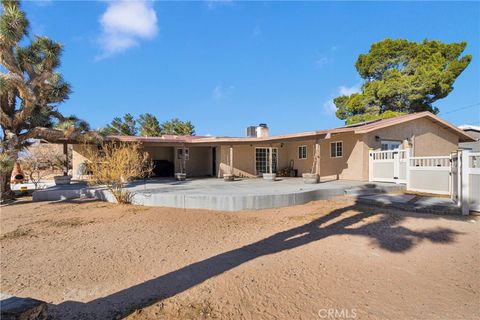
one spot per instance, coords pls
(469, 181)
(457, 175)
(429, 174)
(388, 166)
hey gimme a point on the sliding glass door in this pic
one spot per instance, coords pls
(262, 156)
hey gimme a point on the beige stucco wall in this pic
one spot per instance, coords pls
(79, 155)
(428, 138)
(346, 167)
(244, 158)
(349, 165)
(302, 165)
(199, 163)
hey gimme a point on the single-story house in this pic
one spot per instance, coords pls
(342, 152)
(473, 131)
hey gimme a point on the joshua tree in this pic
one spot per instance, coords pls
(30, 89)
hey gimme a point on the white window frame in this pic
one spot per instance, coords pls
(336, 150)
(180, 151)
(390, 142)
(306, 152)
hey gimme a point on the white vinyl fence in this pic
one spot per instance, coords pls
(457, 175)
(429, 174)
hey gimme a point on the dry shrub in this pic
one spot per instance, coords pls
(115, 164)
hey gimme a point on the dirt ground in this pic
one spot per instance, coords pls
(323, 260)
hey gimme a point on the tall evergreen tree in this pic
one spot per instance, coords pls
(149, 125)
(178, 127)
(126, 126)
(402, 77)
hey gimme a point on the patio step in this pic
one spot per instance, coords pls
(413, 203)
(373, 188)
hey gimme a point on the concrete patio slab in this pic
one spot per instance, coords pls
(216, 194)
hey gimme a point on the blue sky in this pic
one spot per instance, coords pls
(226, 65)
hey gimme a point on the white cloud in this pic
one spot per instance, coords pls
(330, 108)
(221, 93)
(346, 91)
(124, 23)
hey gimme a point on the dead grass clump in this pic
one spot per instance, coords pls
(174, 309)
(18, 233)
(69, 223)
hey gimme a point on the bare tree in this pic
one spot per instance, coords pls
(41, 161)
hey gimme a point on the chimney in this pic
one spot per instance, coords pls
(251, 132)
(262, 130)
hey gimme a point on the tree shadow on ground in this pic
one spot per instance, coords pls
(383, 229)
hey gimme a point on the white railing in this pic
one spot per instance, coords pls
(388, 154)
(441, 161)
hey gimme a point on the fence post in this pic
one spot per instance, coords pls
(370, 165)
(465, 182)
(396, 165)
(459, 177)
(407, 167)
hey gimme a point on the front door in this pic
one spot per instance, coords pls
(262, 160)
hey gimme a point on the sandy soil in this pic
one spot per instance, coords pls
(94, 260)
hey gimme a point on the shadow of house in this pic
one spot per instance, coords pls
(385, 232)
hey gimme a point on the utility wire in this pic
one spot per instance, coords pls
(461, 108)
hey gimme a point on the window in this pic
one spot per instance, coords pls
(390, 145)
(336, 149)
(180, 151)
(262, 157)
(302, 152)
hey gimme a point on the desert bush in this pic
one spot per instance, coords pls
(115, 164)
